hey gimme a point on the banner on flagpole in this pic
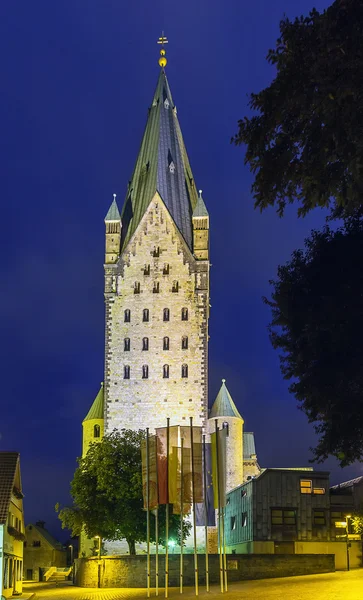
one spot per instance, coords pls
(219, 471)
(153, 492)
(208, 493)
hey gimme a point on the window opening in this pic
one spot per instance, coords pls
(166, 314)
(184, 314)
(145, 315)
(145, 372)
(166, 343)
(126, 372)
(126, 344)
(184, 370)
(127, 316)
(185, 342)
(145, 343)
(166, 371)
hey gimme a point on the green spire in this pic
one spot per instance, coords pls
(223, 405)
(96, 410)
(200, 208)
(113, 212)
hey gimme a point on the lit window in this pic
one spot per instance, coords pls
(175, 287)
(166, 371)
(306, 486)
(318, 517)
(319, 491)
(184, 371)
(96, 431)
(127, 316)
(145, 343)
(165, 343)
(126, 372)
(137, 287)
(166, 314)
(147, 270)
(126, 344)
(233, 523)
(185, 342)
(145, 372)
(156, 287)
(184, 314)
(166, 269)
(145, 315)
(244, 519)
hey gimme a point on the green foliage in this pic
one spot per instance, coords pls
(107, 492)
(306, 141)
(317, 323)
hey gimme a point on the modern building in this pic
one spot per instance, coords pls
(11, 525)
(41, 551)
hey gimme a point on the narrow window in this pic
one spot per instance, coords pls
(145, 372)
(156, 252)
(126, 344)
(244, 519)
(156, 287)
(226, 426)
(126, 372)
(166, 371)
(185, 342)
(137, 287)
(318, 517)
(165, 343)
(184, 370)
(145, 315)
(184, 314)
(175, 287)
(127, 316)
(233, 523)
(306, 486)
(147, 270)
(166, 314)
(96, 431)
(166, 269)
(145, 343)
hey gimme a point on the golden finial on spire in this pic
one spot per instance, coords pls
(162, 60)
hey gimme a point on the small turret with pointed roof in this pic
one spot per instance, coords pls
(200, 219)
(113, 233)
(93, 423)
(223, 405)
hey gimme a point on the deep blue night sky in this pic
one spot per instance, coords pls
(76, 81)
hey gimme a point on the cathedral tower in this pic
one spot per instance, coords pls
(157, 285)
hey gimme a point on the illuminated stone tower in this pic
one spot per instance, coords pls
(157, 284)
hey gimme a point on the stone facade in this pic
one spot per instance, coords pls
(168, 351)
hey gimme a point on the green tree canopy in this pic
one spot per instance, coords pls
(306, 142)
(317, 324)
(107, 493)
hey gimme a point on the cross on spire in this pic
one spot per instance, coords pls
(162, 60)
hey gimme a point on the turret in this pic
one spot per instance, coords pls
(113, 233)
(200, 220)
(93, 423)
(225, 410)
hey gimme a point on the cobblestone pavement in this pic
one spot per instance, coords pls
(331, 586)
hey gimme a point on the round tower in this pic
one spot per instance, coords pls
(225, 410)
(93, 423)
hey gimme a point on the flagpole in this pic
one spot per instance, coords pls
(167, 510)
(147, 513)
(181, 512)
(205, 515)
(194, 513)
(219, 512)
(224, 552)
(156, 522)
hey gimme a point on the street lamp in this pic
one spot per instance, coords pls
(71, 549)
(97, 537)
(171, 544)
(347, 517)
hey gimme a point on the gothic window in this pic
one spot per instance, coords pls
(166, 314)
(156, 287)
(126, 344)
(127, 316)
(96, 431)
(145, 372)
(145, 315)
(184, 314)
(166, 103)
(166, 371)
(145, 343)
(165, 343)
(175, 287)
(166, 269)
(226, 426)
(156, 252)
(137, 287)
(185, 342)
(147, 270)
(184, 371)
(126, 372)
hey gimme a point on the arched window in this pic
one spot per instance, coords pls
(145, 371)
(175, 287)
(184, 314)
(127, 316)
(184, 342)
(165, 343)
(166, 371)
(126, 372)
(145, 343)
(137, 287)
(145, 315)
(156, 251)
(126, 344)
(184, 371)
(156, 287)
(96, 431)
(166, 314)
(166, 269)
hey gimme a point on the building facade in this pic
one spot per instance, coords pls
(41, 551)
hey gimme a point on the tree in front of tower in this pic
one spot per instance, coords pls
(317, 324)
(107, 494)
(304, 143)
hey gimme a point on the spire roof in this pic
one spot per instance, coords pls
(162, 166)
(223, 405)
(96, 410)
(200, 208)
(113, 212)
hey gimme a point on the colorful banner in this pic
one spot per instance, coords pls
(208, 493)
(153, 491)
(162, 464)
(219, 472)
